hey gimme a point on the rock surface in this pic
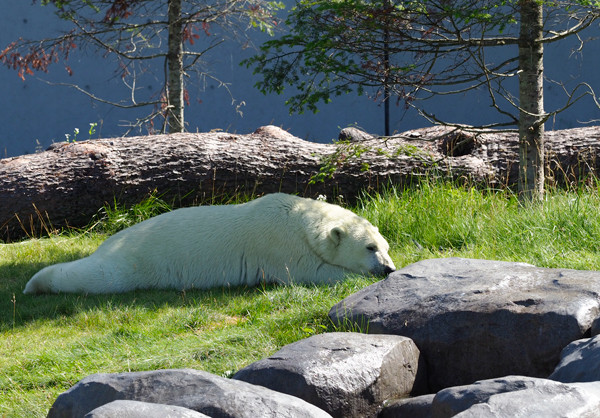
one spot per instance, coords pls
(518, 396)
(345, 374)
(136, 409)
(417, 407)
(479, 319)
(196, 390)
(580, 362)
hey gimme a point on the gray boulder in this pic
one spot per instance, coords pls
(595, 327)
(518, 396)
(479, 319)
(346, 374)
(580, 362)
(135, 409)
(193, 389)
(417, 407)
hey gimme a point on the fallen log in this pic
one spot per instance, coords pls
(67, 184)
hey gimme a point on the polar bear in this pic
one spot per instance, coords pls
(276, 238)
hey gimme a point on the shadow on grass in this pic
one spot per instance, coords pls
(18, 309)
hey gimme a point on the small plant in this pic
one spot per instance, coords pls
(74, 139)
(92, 129)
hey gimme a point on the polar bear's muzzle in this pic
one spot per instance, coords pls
(382, 265)
(383, 270)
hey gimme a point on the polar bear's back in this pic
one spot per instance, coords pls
(265, 237)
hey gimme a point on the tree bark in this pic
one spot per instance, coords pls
(531, 100)
(175, 89)
(69, 183)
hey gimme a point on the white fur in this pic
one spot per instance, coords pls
(276, 238)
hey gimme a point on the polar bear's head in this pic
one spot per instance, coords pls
(357, 246)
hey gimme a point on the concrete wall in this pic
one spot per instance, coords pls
(35, 114)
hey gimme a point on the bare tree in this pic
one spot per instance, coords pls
(172, 35)
(416, 50)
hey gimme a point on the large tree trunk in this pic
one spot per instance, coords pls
(69, 183)
(531, 100)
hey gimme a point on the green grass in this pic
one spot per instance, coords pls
(49, 342)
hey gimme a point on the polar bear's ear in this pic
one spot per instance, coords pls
(336, 234)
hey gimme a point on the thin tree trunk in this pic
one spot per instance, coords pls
(531, 93)
(175, 105)
(386, 81)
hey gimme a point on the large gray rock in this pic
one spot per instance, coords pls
(136, 409)
(479, 319)
(417, 407)
(193, 389)
(346, 374)
(580, 362)
(518, 396)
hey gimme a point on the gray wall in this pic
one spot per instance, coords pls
(35, 114)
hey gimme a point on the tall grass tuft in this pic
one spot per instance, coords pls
(49, 342)
(115, 217)
(443, 220)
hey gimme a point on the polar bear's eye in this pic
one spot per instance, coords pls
(371, 248)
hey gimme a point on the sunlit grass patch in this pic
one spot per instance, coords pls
(49, 342)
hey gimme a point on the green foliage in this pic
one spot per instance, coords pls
(49, 342)
(348, 152)
(117, 217)
(416, 49)
(345, 152)
(336, 47)
(262, 19)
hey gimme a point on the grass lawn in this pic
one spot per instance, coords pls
(49, 342)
